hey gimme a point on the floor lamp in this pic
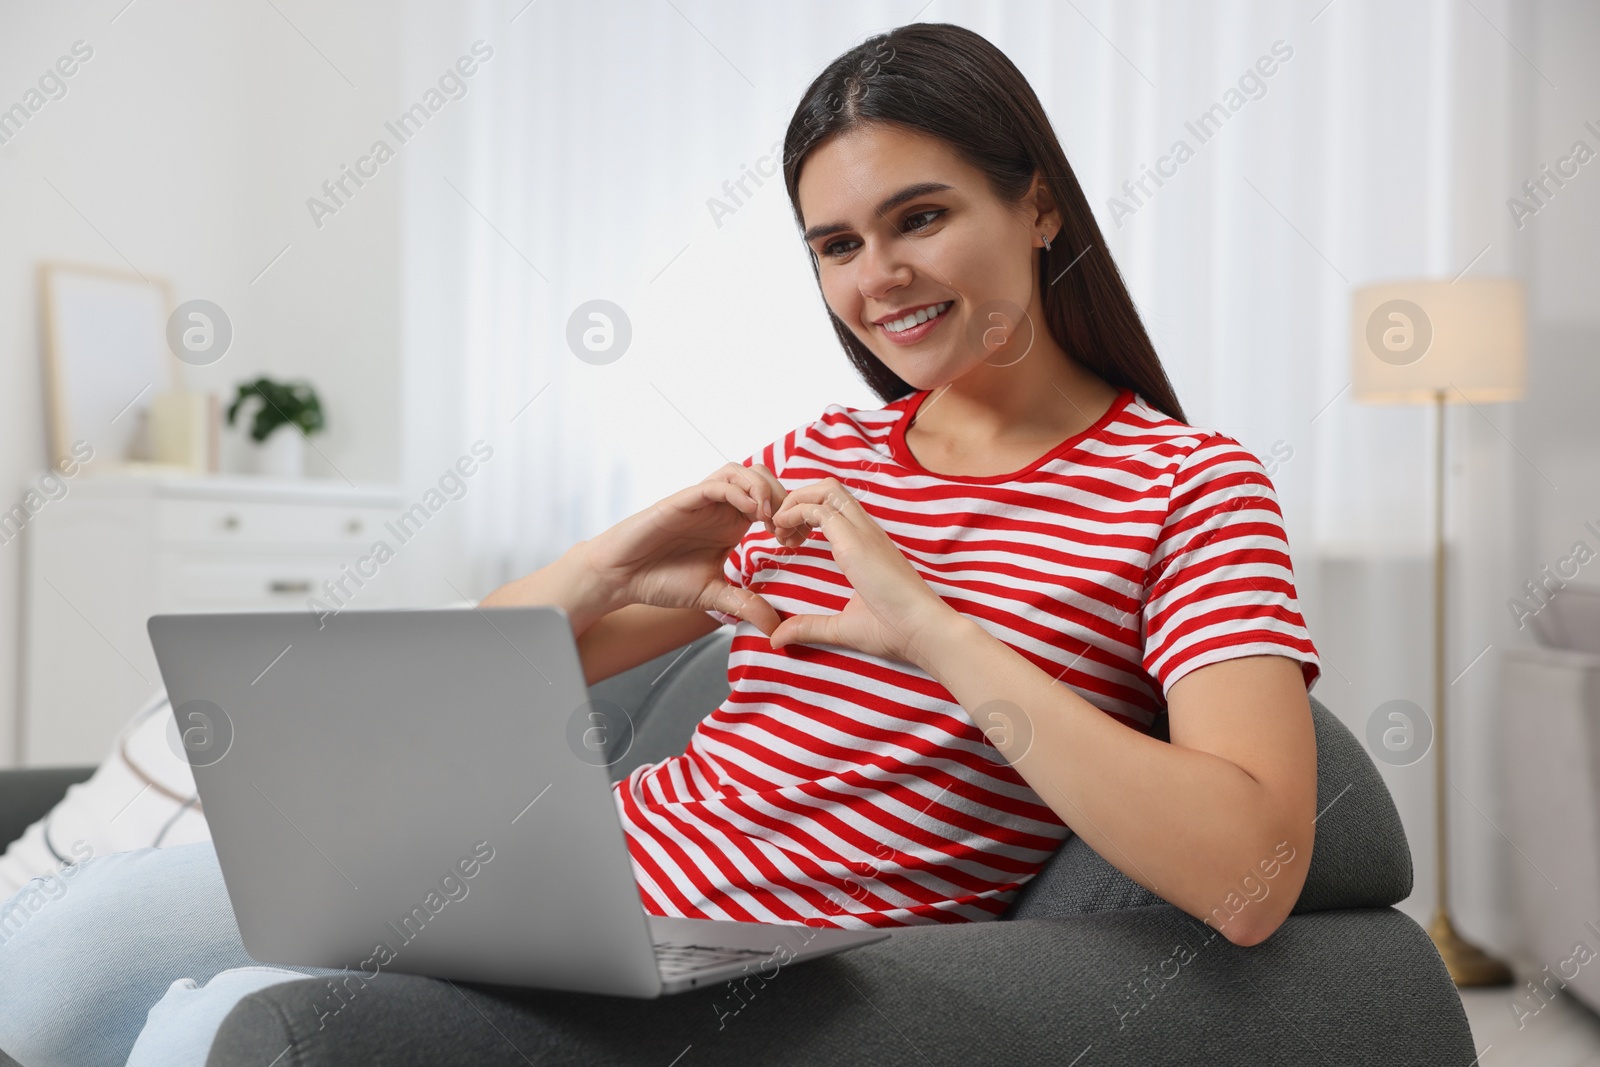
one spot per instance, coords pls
(1441, 342)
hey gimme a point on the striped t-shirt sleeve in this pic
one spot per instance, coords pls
(1220, 584)
(774, 456)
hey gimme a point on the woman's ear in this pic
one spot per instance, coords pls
(1039, 205)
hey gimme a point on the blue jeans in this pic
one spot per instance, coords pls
(128, 958)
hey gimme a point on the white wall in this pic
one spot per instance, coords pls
(187, 146)
(1559, 247)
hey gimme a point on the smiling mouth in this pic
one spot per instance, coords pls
(916, 318)
(913, 328)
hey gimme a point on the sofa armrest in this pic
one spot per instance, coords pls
(1019, 992)
(28, 794)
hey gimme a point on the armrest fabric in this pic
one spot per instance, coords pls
(1137, 986)
(28, 794)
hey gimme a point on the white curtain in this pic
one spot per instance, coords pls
(582, 163)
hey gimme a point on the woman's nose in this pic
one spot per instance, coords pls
(883, 269)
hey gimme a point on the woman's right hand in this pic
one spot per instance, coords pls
(671, 554)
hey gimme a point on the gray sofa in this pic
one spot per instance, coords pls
(1087, 968)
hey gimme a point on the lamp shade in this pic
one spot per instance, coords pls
(1409, 339)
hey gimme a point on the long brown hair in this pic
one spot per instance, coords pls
(946, 81)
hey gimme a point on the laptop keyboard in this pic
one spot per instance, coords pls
(676, 958)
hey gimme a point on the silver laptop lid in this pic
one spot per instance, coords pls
(409, 791)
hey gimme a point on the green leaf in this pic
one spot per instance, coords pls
(278, 404)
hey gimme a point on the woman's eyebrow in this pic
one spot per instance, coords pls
(910, 192)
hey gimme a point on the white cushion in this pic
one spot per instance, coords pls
(142, 795)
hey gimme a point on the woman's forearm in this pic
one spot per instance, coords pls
(1183, 823)
(569, 583)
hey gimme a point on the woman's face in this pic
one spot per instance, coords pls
(899, 223)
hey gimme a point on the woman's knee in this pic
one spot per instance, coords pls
(184, 1022)
(86, 951)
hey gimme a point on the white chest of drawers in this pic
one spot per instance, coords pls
(117, 549)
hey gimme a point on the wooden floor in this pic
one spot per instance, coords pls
(1565, 1033)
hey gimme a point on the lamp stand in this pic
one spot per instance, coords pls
(1468, 964)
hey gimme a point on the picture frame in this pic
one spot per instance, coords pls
(105, 357)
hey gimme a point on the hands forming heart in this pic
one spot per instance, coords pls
(891, 605)
(671, 554)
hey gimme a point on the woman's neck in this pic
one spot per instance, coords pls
(997, 419)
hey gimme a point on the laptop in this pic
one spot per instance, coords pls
(418, 791)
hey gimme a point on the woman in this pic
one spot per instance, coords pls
(910, 584)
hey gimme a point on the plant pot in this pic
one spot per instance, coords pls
(282, 454)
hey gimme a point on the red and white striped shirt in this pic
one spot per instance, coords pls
(840, 789)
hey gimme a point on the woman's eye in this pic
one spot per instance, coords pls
(914, 222)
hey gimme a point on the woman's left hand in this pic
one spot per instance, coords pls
(891, 607)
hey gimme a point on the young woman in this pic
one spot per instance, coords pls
(1022, 599)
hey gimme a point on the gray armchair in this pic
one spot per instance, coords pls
(1086, 967)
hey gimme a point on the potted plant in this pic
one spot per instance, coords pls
(286, 414)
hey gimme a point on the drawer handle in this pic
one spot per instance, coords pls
(282, 586)
(353, 526)
(230, 522)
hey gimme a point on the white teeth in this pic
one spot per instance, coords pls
(921, 315)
